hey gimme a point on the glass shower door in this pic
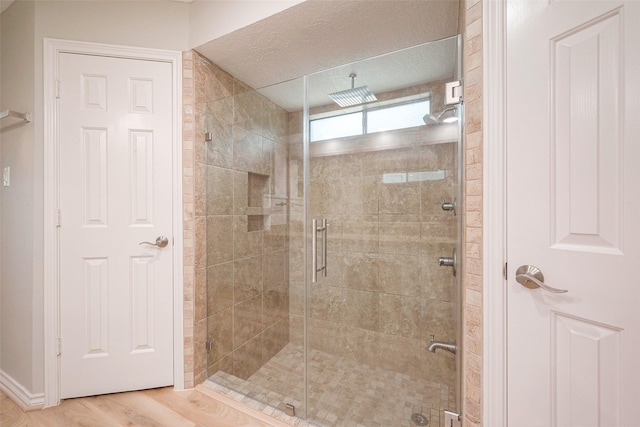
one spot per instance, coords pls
(378, 179)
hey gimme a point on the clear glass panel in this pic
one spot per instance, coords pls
(254, 200)
(384, 296)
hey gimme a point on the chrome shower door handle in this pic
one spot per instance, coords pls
(161, 242)
(531, 277)
(314, 249)
(324, 247)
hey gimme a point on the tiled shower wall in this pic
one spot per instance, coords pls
(471, 25)
(240, 195)
(195, 284)
(384, 294)
(188, 219)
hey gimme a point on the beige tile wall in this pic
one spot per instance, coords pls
(188, 165)
(241, 290)
(471, 19)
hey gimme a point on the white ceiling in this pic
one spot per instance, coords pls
(320, 35)
(406, 68)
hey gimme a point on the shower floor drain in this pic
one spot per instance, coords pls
(419, 419)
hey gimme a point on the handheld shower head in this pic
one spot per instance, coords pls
(353, 96)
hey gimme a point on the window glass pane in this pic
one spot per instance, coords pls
(336, 126)
(397, 117)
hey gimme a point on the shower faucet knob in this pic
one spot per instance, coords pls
(451, 261)
(449, 206)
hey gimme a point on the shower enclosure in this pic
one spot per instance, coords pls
(331, 235)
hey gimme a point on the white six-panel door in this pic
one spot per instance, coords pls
(573, 141)
(116, 296)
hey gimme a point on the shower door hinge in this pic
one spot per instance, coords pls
(57, 89)
(209, 344)
(59, 346)
(58, 218)
(505, 271)
(451, 419)
(453, 93)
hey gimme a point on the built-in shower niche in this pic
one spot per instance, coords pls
(258, 202)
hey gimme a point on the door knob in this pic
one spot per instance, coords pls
(161, 242)
(531, 277)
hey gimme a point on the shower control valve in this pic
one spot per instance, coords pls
(451, 261)
(445, 261)
(449, 206)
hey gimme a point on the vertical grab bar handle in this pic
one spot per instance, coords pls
(324, 247)
(314, 250)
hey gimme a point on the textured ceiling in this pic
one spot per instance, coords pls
(323, 34)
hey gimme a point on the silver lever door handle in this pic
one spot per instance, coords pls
(161, 242)
(531, 277)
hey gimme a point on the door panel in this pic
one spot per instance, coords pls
(116, 296)
(573, 197)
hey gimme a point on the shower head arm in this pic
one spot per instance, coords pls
(430, 119)
(352, 76)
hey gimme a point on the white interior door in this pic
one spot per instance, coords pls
(116, 296)
(573, 142)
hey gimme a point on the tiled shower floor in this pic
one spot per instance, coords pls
(336, 396)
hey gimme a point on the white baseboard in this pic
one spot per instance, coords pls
(19, 394)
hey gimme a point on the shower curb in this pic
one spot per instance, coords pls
(252, 407)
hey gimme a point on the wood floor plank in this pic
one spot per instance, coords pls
(199, 407)
(10, 414)
(138, 409)
(148, 408)
(71, 413)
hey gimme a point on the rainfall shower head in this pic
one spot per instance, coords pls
(353, 96)
(448, 115)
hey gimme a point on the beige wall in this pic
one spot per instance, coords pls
(212, 19)
(20, 319)
(471, 17)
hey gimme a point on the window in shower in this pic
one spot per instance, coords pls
(397, 116)
(380, 119)
(337, 126)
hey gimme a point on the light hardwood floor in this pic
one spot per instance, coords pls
(147, 408)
